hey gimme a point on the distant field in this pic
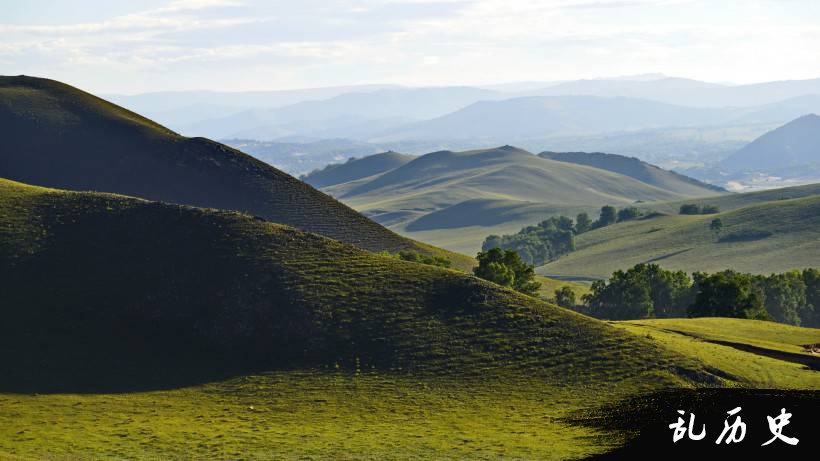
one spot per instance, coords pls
(763, 238)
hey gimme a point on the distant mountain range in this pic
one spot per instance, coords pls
(669, 121)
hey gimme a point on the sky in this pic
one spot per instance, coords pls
(109, 46)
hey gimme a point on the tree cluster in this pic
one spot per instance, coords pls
(647, 290)
(506, 268)
(691, 208)
(553, 237)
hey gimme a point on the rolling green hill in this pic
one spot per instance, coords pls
(224, 322)
(356, 169)
(58, 136)
(762, 238)
(246, 338)
(456, 199)
(637, 169)
(132, 275)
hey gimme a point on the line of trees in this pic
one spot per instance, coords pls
(647, 290)
(691, 208)
(554, 237)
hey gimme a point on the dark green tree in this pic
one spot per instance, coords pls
(608, 216)
(628, 213)
(565, 297)
(785, 296)
(811, 314)
(727, 294)
(621, 298)
(710, 209)
(506, 268)
(582, 223)
(689, 208)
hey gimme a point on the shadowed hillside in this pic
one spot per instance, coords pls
(103, 290)
(55, 135)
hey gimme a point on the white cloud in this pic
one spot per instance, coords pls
(281, 43)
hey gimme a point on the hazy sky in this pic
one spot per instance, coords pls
(135, 46)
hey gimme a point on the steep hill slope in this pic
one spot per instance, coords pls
(99, 288)
(55, 135)
(355, 169)
(793, 144)
(762, 238)
(637, 169)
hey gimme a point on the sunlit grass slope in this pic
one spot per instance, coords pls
(763, 238)
(755, 353)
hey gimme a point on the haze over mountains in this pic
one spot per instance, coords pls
(672, 122)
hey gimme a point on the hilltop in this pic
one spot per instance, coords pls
(761, 238)
(355, 169)
(793, 144)
(446, 195)
(58, 136)
(637, 169)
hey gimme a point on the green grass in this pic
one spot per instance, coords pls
(90, 144)
(267, 342)
(151, 329)
(768, 335)
(686, 243)
(548, 287)
(693, 336)
(307, 415)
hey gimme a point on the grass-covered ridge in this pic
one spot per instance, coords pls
(762, 238)
(55, 135)
(214, 290)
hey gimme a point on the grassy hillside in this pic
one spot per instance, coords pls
(356, 169)
(466, 196)
(58, 136)
(247, 336)
(637, 169)
(250, 339)
(728, 202)
(272, 295)
(763, 238)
